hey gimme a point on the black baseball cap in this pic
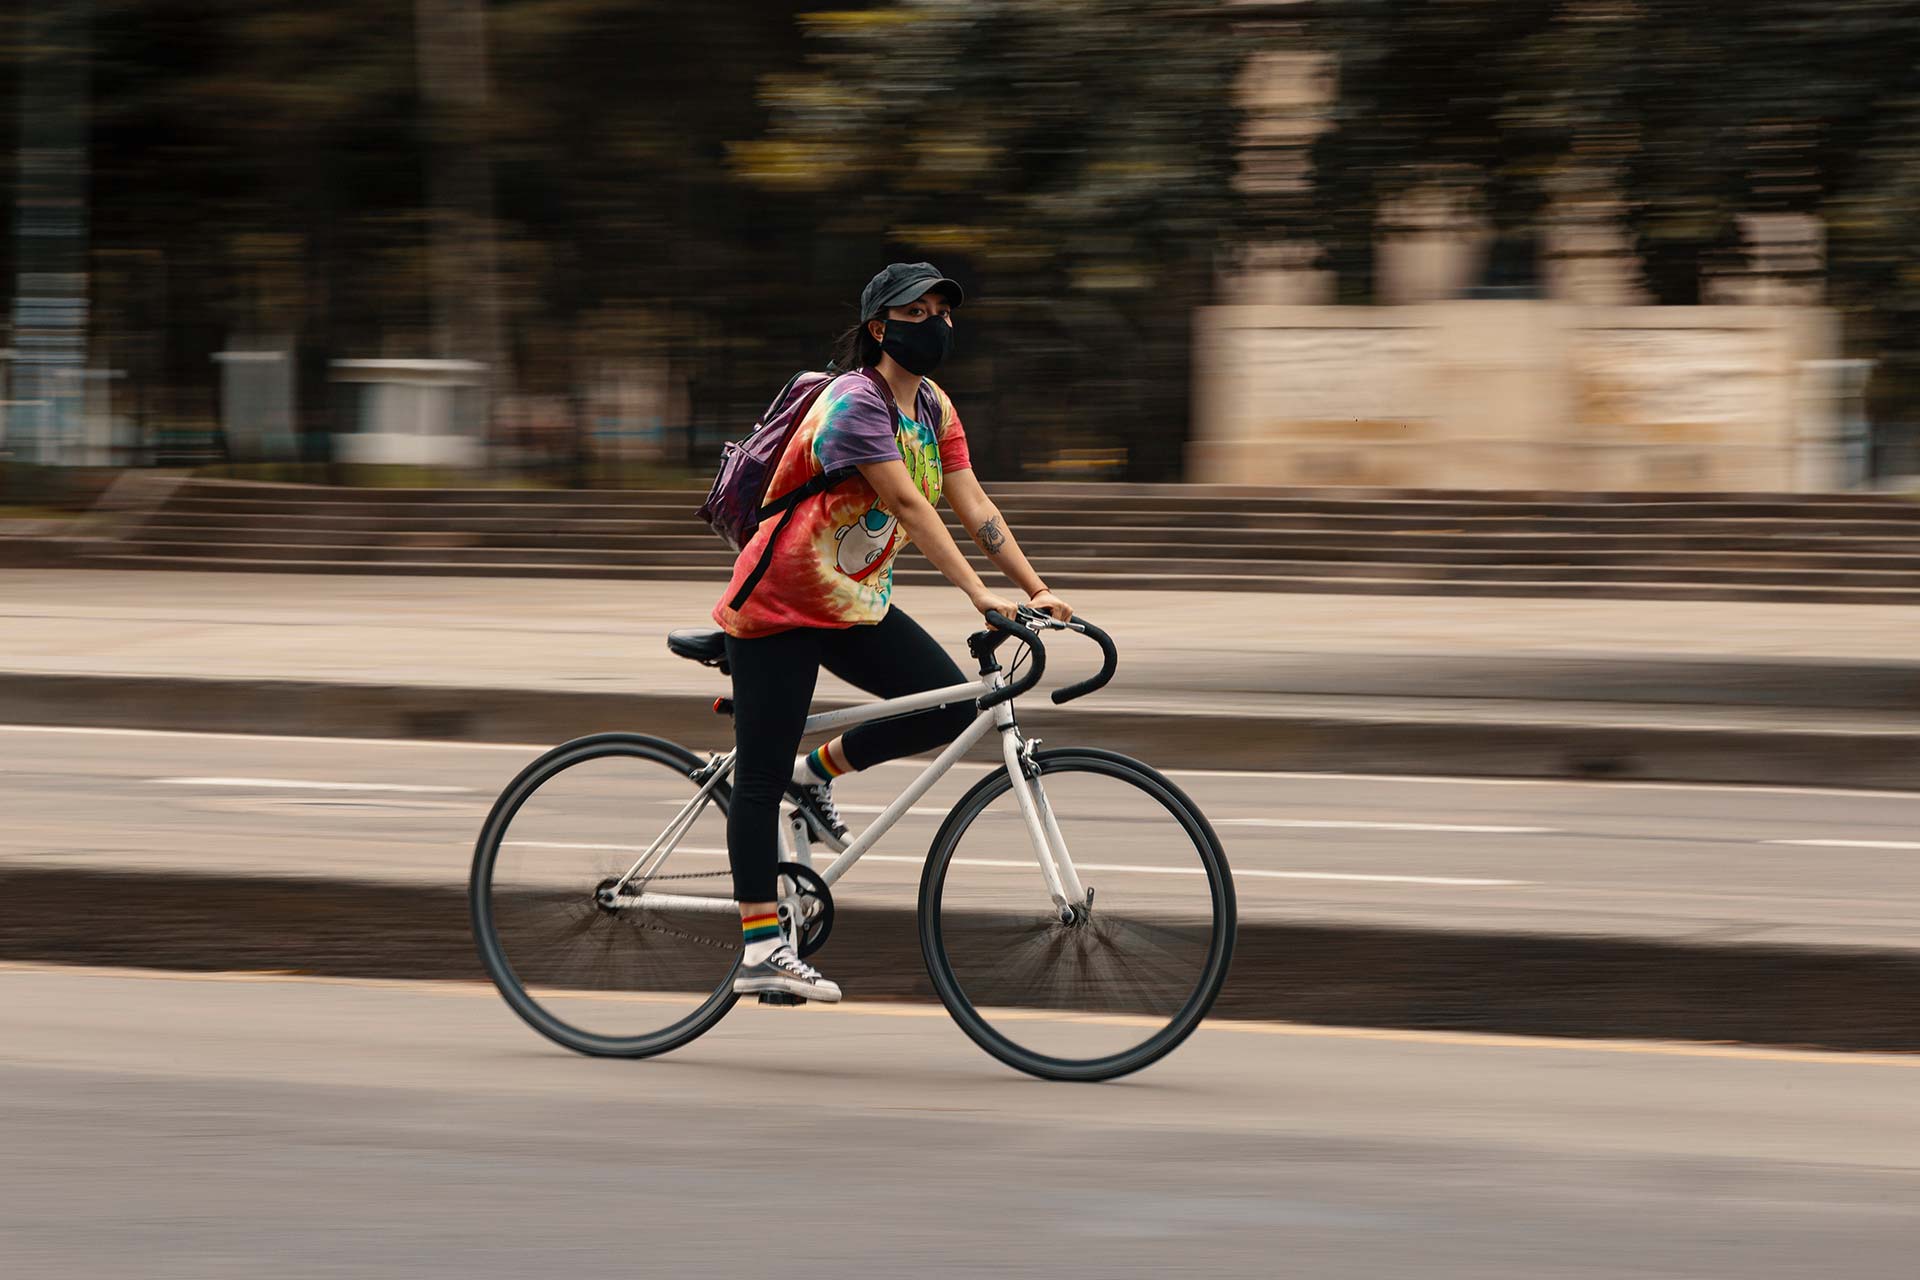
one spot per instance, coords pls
(902, 282)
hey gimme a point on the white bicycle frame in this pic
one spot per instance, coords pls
(1049, 846)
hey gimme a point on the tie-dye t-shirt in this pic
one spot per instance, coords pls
(833, 564)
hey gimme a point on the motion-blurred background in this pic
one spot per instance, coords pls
(581, 241)
(1486, 427)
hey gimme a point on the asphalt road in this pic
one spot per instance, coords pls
(162, 1126)
(1647, 860)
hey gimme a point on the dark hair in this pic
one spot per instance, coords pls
(857, 348)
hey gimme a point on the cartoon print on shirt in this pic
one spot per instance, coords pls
(866, 543)
(833, 567)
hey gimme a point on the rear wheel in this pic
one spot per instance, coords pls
(603, 979)
(1125, 976)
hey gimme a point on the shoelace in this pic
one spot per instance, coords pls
(822, 795)
(785, 959)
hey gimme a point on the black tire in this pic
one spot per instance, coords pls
(580, 923)
(1003, 933)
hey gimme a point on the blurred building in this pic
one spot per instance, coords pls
(1572, 380)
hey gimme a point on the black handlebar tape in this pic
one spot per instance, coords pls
(1026, 682)
(1110, 661)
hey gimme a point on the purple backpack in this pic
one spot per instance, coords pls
(737, 504)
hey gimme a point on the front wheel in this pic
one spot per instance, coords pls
(1117, 981)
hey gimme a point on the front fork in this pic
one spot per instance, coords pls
(1071, 899)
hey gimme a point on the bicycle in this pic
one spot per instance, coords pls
(1089, 970)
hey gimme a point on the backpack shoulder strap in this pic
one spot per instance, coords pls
(785, 505)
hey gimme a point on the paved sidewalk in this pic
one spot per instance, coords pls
(591, 635)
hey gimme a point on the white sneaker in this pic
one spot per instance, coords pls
(785, 972)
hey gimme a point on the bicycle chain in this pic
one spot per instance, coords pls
(672, 932)
(668, 929)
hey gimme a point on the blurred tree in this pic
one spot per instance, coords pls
(712, 184)
(266, 152)
(280, 154)
(1074, 162)
(614, 119)
(1440, 98)
(1689, 113)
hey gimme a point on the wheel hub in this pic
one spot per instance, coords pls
(603, 894)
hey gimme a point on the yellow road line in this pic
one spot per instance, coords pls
(884, 1009)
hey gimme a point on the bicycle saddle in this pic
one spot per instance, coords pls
(705, 645)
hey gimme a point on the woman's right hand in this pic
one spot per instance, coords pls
(987, 601)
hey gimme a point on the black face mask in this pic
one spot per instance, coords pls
(918, 346)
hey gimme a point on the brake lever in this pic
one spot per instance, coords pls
(1030, 615)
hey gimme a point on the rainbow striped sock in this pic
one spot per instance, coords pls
(820, 760)
(761, 934)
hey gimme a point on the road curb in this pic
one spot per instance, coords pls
(19, 551)
(1536, 984)
(1191, 739)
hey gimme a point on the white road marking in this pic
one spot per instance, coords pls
(1239, 873)
(610, 848)
(355, 803)
(1467, 780)
(529, 748)
(1850, 844)
(299, 784)
(1339, 825)
(1029, 864)
(535, 748)
(1310, 824)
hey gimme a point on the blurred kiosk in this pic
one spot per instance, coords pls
(413, 412)
(256, 403)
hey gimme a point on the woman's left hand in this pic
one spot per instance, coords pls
(1053, 604)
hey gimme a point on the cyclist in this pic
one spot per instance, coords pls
(825, 595)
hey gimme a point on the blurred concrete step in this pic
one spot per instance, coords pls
(592, 520)
(1339, 561)
(1501, 525)
(1054, 545)
(318, 563)
(256, 490)
(1587, 523)
(446, 536)
(715, 561)
(1073, 580)
(377, 509)
(1170, 504)
(1416, 545)
(1173, 500)
(1699, 546)
(1088, 524)
(1452, 572)
(424, 524)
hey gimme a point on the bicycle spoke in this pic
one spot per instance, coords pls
(1152, 988)
(1139, 942)
(1159, 951)
(543, 862)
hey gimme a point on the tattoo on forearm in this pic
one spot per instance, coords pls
(990, 536)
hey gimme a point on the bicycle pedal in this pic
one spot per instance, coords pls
(781, 998)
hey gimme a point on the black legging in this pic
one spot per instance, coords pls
(773, 678)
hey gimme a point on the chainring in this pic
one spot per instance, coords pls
(810, 896)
